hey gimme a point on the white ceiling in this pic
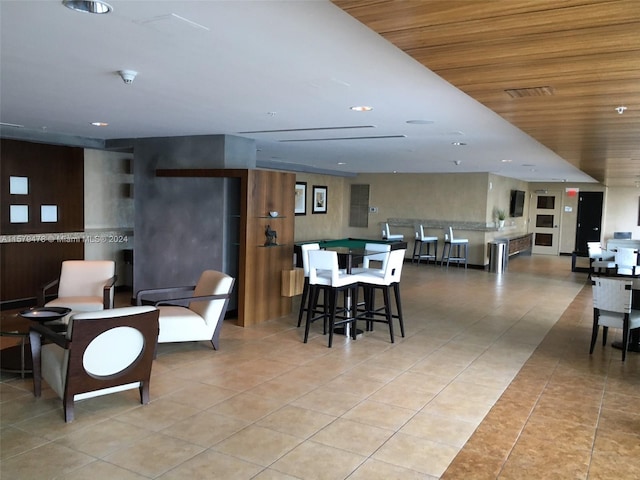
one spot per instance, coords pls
(279, 68)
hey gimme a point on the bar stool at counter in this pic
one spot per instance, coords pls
(449, 244)
(420, 241)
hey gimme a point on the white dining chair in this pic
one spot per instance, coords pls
(612, 297)
(626, 261)
(387, 281)
(325, 275)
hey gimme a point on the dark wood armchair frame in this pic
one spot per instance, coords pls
(184, 301)
(107, 292)
(83, 333)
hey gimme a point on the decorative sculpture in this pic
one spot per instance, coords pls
(272, 237)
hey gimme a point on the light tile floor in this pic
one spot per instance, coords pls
(487, 384)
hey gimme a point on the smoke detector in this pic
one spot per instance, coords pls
(127, 76)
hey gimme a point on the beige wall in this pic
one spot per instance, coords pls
(464, 198)
(330, 225)
(108, 207)
(568, 219)
(621, 212)
(458, 198)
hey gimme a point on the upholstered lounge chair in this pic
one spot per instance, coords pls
(101, 352)
(196, 317)
(83, 286)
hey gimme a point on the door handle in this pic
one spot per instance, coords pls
(596, 229)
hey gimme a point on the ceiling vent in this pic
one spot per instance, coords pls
(530, 92)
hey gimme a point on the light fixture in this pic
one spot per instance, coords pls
(420, 122)
(100, 124)
(621, 109)
(457, 162)
(458, 144)
(506, 160)
(361, 108)
(89, 6)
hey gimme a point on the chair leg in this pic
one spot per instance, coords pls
(313, 295)
(332, 313)
(303, 300)
(605, 330)
(387, 312)
(625, 336)
(370, 302)
(414, 256)
(144, 392)
(396, 293)
(594, 331)
(67, 403)
(465, 255)
(354, 313)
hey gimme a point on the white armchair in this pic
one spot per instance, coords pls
(101, 353)
(83, 286)
(196, 317)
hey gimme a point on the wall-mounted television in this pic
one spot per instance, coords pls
(516, 208)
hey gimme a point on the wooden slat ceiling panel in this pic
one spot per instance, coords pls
(586, 51)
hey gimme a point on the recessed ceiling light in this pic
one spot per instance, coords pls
(420, 122)
(506, 160)
(458, 144)
(342, 163)
(361, 108)
(94, 6)
(99, 124)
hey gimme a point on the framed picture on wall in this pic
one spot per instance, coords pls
(319, 199)
(300, 204)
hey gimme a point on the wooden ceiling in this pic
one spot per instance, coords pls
(555, 69)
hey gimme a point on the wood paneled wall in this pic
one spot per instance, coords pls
(27, 266)
(55, 177)
(267, 191)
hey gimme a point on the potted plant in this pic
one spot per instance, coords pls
(502, 215)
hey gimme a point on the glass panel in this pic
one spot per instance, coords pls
(544, 239)
(546, 203)
(19, 214)
(544, 221)
(48, 213)
(19, 185)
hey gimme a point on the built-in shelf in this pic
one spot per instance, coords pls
(274, 218)
(271, 246)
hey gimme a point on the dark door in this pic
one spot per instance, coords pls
(589, 224)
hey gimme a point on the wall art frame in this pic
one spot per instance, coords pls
(319, 199)
(300, 202)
